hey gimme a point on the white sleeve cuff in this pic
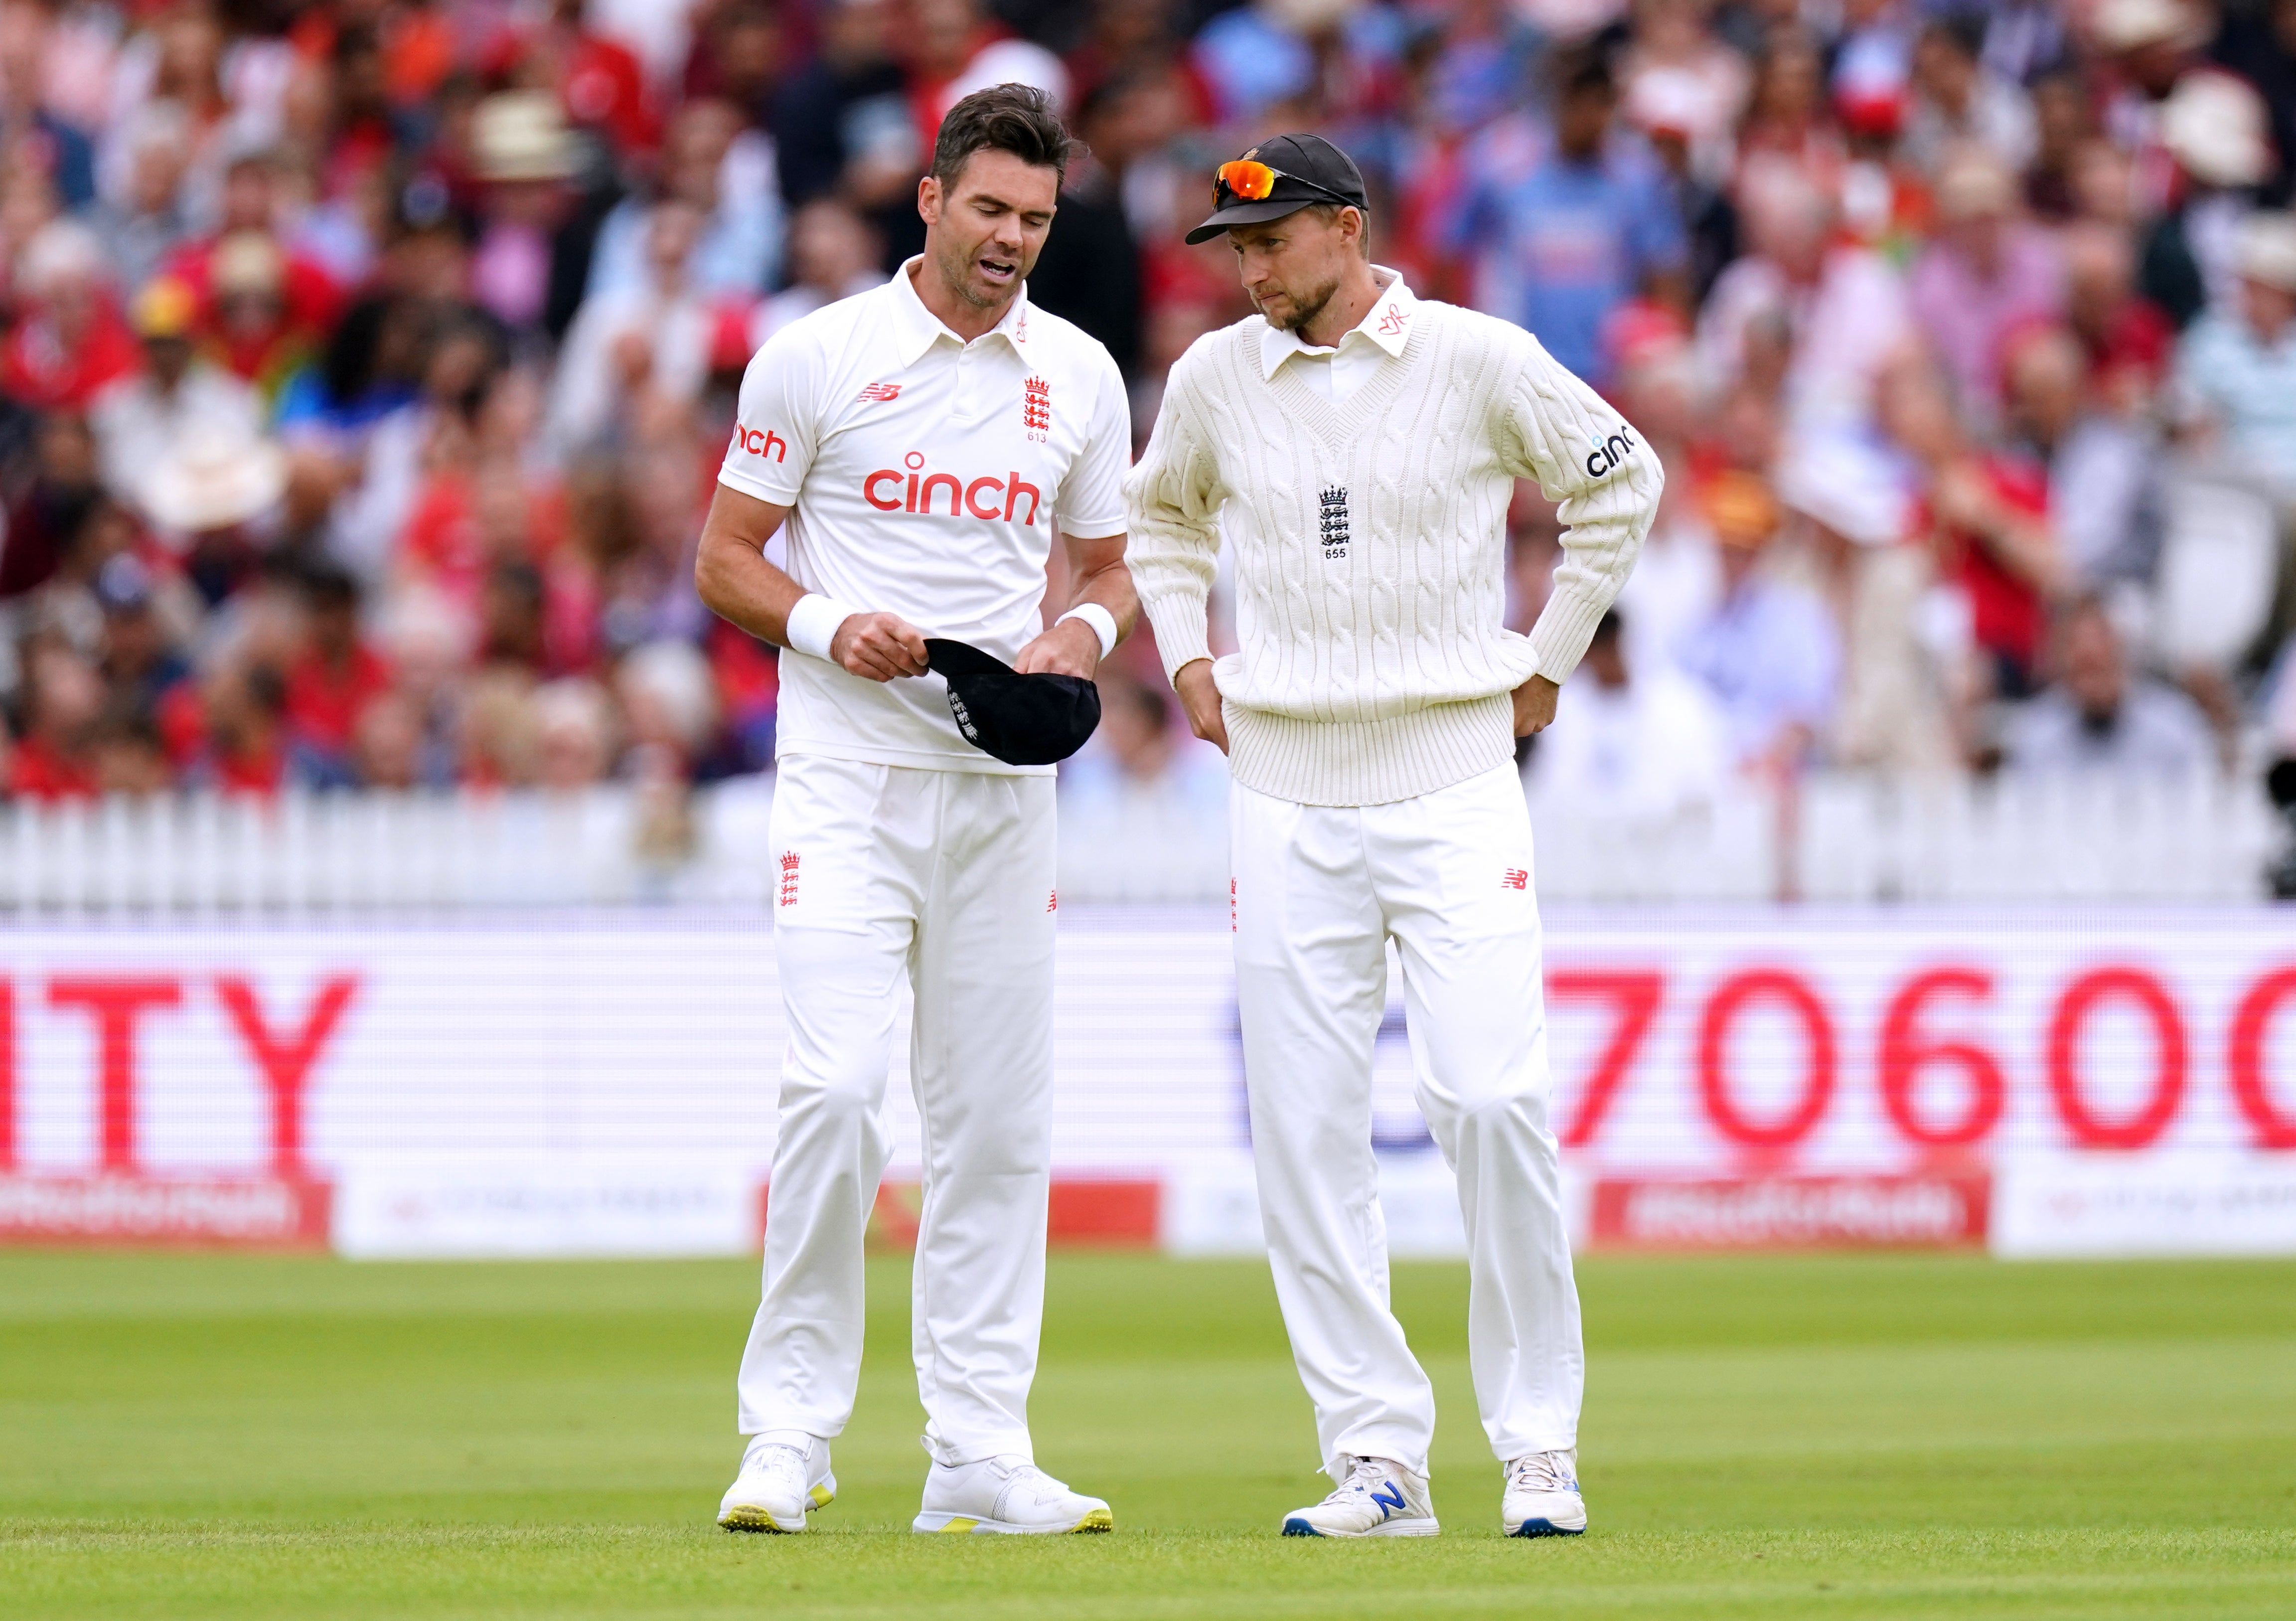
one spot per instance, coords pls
(1103, 623)
(812, 623)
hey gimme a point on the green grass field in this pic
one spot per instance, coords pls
(1887, 1436)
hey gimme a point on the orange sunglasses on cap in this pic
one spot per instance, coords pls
(1249, 180)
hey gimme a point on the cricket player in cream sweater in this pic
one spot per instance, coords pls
(1357, 447)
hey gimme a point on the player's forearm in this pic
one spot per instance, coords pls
(1108, 586)
(737, 583)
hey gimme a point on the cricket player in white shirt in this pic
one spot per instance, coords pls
(918, 444)
(1356, 449)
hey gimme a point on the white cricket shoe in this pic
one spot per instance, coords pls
(1542, 1496)
(777, 1485)
(1007, 1495)
(1379, 1498)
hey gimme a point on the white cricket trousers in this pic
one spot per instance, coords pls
(944, 877)
(1319, 891)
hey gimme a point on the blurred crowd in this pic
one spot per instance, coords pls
(367, 364)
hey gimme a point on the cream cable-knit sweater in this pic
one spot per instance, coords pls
(1369, 541)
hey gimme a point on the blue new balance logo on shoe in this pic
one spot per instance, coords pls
(1389, 1499)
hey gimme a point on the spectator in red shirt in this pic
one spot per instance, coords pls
(64, 699)
(1987, 516)
(335, 675)
(2128, 341)
(601, 82)
(310, 300)
(72, 340)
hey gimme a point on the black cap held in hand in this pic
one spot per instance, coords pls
(1021, 719)
(1310, 170)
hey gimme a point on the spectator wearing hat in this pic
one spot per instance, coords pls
(2214, 129)
(597, 79)
(140, 417)
(2148, 46)
(2237, 370)
(1769, 652)
(256, 328)
(524, 156)
(246, 249)
(1988, 271)
(1589, 227)
(2098, 717)
(205, 492)
(1667, 108)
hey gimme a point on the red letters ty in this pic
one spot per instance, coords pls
(115, 1005)
(286, 1065)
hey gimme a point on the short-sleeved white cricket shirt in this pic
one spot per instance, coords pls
(925, 476)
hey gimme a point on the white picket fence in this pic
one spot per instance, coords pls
(1841, 840)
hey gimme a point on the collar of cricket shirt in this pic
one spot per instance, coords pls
(1386, 323)
(917, 329)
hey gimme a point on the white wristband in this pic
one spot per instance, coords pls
(1103, 623)
(812, 623)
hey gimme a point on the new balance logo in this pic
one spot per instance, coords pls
(1514, 878)
(1333, 501)
(882, 391)
(1389, 1499)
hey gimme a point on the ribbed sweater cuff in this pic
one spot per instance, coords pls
(1368, 762)
(1564, 628)
(1183, 629)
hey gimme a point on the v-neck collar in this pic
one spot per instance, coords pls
(1339, 422)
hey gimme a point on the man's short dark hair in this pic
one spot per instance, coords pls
(1585, 71)
(1018, 119)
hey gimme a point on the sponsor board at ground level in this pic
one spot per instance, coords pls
(1789, 1212)
(258, 1213)
(534, 1210)
(2059, 1206)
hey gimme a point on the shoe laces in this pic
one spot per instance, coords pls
(1364, 1474)
(1543, 1472)
(777, 1455)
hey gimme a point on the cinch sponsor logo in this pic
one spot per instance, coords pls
(989, 498)
(762, 444)
(1610, 453)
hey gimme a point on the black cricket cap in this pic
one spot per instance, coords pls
(1312, 171)
(1021, 719)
